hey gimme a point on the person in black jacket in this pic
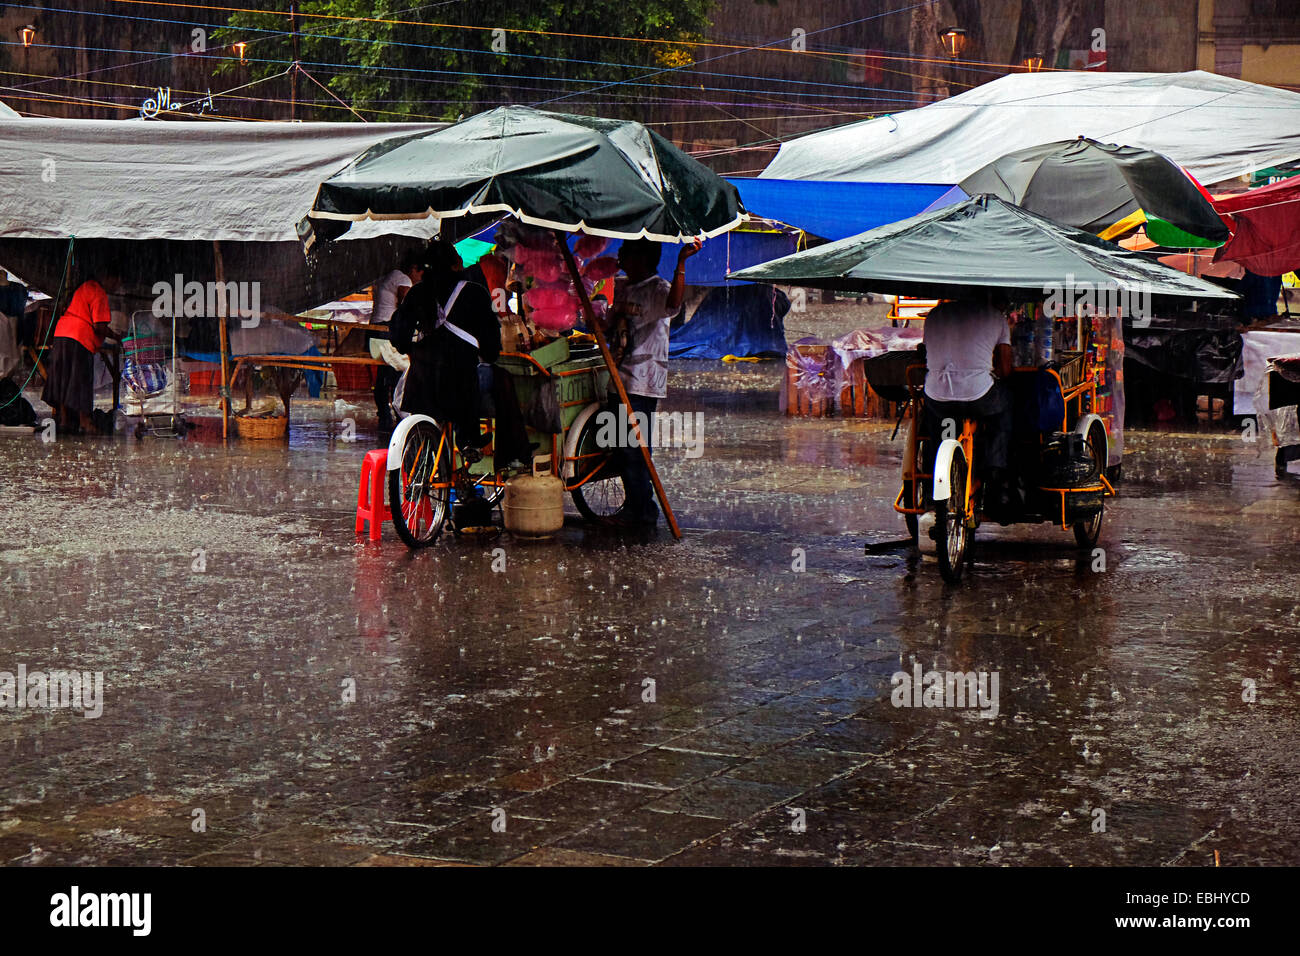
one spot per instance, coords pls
(447, 326)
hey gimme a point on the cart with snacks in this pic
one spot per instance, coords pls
(561, 176)
(561, 390)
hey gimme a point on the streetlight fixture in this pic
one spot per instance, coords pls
(242, 49)
(27, 34)
(1032, 63)
(954, 41)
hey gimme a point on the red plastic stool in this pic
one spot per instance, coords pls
(370, 495)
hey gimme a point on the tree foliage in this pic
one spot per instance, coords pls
(407, 67)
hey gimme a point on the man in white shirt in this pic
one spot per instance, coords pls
(968, 358)
(638, 319)
(388, 294)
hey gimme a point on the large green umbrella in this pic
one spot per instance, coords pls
(573, 173)
(1096, 186)
(976, 246)
(566, 173)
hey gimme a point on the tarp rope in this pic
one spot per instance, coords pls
(49, 329)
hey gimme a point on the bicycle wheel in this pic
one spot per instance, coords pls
(951, 534)
(1087, 532)
(419, 489)
(598, 491)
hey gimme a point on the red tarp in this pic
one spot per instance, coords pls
(1267, 228)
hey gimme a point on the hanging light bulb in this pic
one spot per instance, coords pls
(27, 34)
(954, 41)
(242, 49)
(1033, 63)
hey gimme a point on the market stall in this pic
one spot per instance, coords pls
(986, 244)
(194, 203)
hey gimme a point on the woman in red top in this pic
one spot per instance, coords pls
(70, 369)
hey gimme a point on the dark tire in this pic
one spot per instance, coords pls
(602, 496)
(420, 510)
(952, 536)
(1086, 533)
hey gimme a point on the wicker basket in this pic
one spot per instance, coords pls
(262, 428)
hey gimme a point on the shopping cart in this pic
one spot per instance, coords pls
(145, 359)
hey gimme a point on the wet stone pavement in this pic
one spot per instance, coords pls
(278, 691)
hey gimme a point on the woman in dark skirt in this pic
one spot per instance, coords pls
(70, 370)
(443, 379)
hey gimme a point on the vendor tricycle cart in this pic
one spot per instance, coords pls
(425, 468)
(1059, 472)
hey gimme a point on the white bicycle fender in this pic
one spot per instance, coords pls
(399, 438)
(943, 467)
(574, 433)
(1085, 423)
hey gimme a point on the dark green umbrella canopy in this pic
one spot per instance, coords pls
(975, 246)
(1093, 186)
(574, 173)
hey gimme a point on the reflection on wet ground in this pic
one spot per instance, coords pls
(322, 700)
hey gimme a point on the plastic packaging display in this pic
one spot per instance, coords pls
(1022, 342)
(1043, 337)
(1281, 425)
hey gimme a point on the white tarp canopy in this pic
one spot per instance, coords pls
(116, 179)
(157, 195)
(1215, 126)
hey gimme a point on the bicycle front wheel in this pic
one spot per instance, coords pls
(419, 489)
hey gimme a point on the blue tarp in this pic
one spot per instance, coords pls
(731, 251)
(738, 320)
(831, 210)
(836, 210)
(725, 253)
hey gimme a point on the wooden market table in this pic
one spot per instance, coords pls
(309, 363)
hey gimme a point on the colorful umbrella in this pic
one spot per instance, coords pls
(1106, 190)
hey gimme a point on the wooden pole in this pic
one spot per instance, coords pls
(590, 315)
(222, 337)
(293, 70)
